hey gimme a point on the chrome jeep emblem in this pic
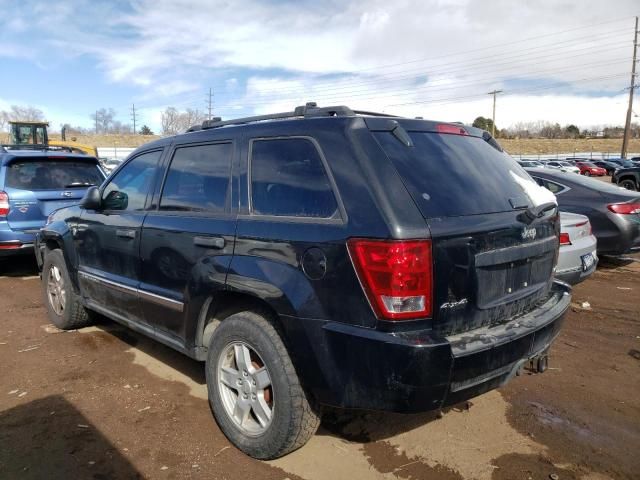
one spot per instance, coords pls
(528, 233)
(66, 194)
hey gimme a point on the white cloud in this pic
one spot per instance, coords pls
(170, 48)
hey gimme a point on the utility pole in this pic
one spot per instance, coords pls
(210, 103)
(493, 119)
(627, 125)
(134, 117)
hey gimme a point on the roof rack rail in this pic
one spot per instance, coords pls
(310, 110)
(374, 114)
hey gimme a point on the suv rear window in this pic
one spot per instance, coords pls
(456, 175)
(288, 179)
(52, 174)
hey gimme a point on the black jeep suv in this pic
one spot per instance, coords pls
(318, 257)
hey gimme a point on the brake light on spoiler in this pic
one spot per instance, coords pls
(397, 276)
(451, 129)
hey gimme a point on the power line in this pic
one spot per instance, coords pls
(482, 66)
(502, 45)
(487, 81)
(511, 92)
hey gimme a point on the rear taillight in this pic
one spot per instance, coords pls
(10, 245)
(564, 239)
(451, 129)
(4, 204)
(397, 276)
(625, 208)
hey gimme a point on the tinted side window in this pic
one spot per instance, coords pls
(288, 179)
(198, 179)
(128, 189)
(549, 185)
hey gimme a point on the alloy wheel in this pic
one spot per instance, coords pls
(56, 291)
(245, 388)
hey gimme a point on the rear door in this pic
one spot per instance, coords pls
(188, 237)
(37, 186)
(492, 261)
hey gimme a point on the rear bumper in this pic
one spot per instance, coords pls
(18, 249)
(354, 367)
(15, 242)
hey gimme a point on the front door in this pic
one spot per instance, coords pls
(188, 240)
(108, 240)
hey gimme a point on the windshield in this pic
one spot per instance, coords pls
(52, 175)
(587, 164)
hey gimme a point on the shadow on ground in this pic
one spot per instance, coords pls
(50, 438)
(18, 266)
(166, 355)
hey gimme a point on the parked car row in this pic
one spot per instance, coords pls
(614, 212)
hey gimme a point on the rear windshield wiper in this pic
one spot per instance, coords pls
(532, 213)
(80, 184)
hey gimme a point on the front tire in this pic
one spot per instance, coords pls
(587, 173)
(254, 390)
(628, 184)
(64, 307)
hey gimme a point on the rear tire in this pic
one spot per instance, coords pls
(587, 173)
(254, 390)
(64, 307)
(628, 184)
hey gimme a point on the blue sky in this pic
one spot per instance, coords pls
(556, 60)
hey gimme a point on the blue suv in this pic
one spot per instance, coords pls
(33, 184)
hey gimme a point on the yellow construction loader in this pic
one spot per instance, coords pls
(35, 134)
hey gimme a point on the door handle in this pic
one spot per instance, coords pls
(209, 242)
(128, 234)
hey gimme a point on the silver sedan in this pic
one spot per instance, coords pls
(577, 259)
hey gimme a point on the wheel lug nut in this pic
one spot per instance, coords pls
(254, 382)
(244, 396)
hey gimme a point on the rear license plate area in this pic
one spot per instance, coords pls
(587, 261)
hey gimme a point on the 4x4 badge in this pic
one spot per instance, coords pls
(528, 233)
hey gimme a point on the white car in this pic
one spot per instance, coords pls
(563, 166)
(577, 259)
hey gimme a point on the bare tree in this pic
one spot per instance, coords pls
(174, 121)
(103, 120)
(23, 113)
(169, 121)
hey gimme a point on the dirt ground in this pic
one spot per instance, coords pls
(106, 403)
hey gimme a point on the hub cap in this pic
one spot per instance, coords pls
(56, 290)
(245, 388)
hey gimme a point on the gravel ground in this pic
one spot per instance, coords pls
(106, 403)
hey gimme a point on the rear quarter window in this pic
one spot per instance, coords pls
(52, 174)
(288, 178)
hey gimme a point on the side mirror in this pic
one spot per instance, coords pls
(91, 199)
(116, 200)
